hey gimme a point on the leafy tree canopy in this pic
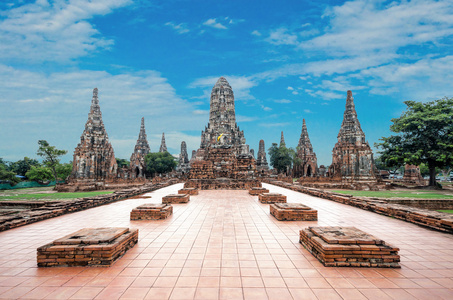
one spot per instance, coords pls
(40, 174)
(8, 176)
(159, 163)
(22, 166)
(424, 134)
(281, 158)
(121, 162)
(64, 170)
(50, 155)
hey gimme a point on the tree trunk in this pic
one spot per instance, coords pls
(432, 176)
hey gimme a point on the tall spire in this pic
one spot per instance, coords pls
(304, 140)
(350, 130)
(141, 147)
(183, 157)
(163, 146)
(261, 161)
(282, 140)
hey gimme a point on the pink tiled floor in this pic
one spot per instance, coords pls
(226, 245)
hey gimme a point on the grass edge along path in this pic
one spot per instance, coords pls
(52, 196)
(448, 211)
(395, 194)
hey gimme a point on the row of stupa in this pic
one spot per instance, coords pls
(223, 147)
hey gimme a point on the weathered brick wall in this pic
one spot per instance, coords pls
(53, 209)
(423, 217)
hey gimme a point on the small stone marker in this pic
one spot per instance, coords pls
(151, 211)
(271, 198)
(348, 247)
(255, 191)
(176, 198)
(293, 212)
(188, 191)
(88, 247)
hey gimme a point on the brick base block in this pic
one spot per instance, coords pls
(268, 198)
(348, 247)
(293, 212)
(88, 247)
(188, 191)
(176, 198)
(151, 212)
(255, 191)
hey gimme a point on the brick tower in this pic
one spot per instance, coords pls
(308, 166)
(138, 157)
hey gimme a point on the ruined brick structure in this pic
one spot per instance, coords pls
(93, 157)
(352, 157)
(137, 165)
(308, 165)
(261, 161)
(223, 152)
(282, 140)
(163, 145)
(412, 175)
(183, 163)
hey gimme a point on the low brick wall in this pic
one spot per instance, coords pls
(255, 191)
(423, 217)
(188, 191)
(52, 210)
(293, 212)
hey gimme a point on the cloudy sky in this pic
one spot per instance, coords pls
(285, 60)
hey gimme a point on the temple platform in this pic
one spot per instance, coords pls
(176, 199)
(255, 191)
(188, 191)
(222, 184)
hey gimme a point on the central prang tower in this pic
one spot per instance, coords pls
(222, 128)
(223, 160)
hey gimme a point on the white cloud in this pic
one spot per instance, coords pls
(324, 95)
(55, 107)
(56, 31)
(180, 28)
(283, 124)
(280, 36)
(214, 24)
(308, 111)
(283, 101)
(290, 88)
(256, 33)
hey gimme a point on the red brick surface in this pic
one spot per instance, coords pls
(255, 191)
(188, 191)
(176, 198)
(268, 198)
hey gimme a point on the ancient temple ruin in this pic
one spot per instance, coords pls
(412, 175)
(141, 149)
(261, 161)
(352, 157)
(308, 164)
(223, 159)
(183, 162)
(282, 140)
(163, 145)
(93, 157)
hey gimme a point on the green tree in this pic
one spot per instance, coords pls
(281, 158)
(64, 170)
(22, 166)
(50, 155)
(424, 135)
(40, 174)
(159, 163)
(8, 176)
(121, 162)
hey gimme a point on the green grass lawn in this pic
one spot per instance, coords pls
(18, 196)
(447, 211)
(398, 194)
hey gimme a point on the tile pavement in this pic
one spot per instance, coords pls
(226, 245)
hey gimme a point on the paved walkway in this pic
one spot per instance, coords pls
(226, 245)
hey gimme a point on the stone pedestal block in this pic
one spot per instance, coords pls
(88, 247)
(348, 247)
(151, 211)
(293, 212)
(176, 198)
(255, 191)
(188, 191)
(270, 198)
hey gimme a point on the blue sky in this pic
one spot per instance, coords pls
(285, 60)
